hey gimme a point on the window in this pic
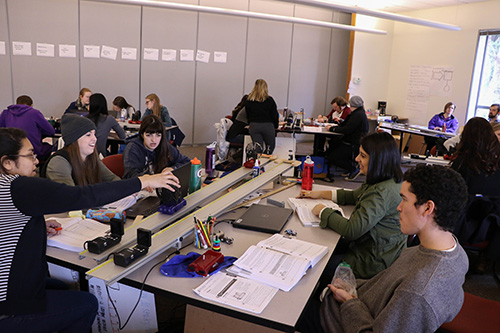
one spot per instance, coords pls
(485, 87)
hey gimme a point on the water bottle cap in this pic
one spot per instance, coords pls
(195, 161)
(309, 160)
(344, 264)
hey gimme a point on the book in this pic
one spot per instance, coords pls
(303, 208)
(75, 232)
(278, 261)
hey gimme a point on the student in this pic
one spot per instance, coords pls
(150, 152)
(103, 122)
(340, 111)
(121, 105)
(78, 162)
(477, 158)
(237, 131)
(25, 303)
(82, 103)
(22, 115)
(423, 288)
(444, 122)
(262, 114)
(373, 228)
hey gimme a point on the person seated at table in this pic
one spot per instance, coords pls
(423, 288)
(26, 305)
(444, 122)
(150, 152)
(343, 150)
(22, 115)
(340, 111)
(103, 122)
(236, 133)
(477, 158)
(81, 105)
(373, 228)
(121, 106)
(153, 106)
(78, 162)
(262, 114)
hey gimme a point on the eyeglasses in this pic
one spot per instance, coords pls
(33, 156)
(147, 102)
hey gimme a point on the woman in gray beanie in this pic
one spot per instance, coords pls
(77, 163)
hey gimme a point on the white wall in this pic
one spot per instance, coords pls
(416, 45)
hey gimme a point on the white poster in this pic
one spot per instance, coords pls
(2, 48)
(151, 54)
(67, 51)
(417, 96)
(124, 298)
(202, 56)
(21, 48)
(91, 51)
(168, 55)
(109, 52)
(44, 50)
(220, 57)
(187, 55)
(129, 53)
(441, 81)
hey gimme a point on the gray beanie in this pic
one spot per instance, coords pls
(74, 126)
(356, 102)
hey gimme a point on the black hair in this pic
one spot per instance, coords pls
(121, 102)
(153, 124)
(10, 144)
(97, 106)
(385, 159)
(443, 186)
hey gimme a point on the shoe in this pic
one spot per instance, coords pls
(345, 174)
(329, 179)
(353, 175)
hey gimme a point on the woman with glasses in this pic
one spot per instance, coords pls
(153, 106)
(25, 303)
(150, 152)
(78, 162)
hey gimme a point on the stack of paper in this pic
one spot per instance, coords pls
(304, 207)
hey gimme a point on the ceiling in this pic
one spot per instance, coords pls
(402, 5)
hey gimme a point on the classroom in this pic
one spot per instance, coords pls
(200, 59)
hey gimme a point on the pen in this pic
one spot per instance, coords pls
(58, 228)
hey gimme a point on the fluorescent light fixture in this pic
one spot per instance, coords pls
(242, 13)
(375, 13)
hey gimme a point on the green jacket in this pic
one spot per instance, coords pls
(373, 226)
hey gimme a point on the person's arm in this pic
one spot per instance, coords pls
(176, 158)
(59, 170)
(434, 122)
(117, 128)
(370, 211)
(106, 174)
(452, 142)
(273, 109)
(45, 127)
(166, 117)
(350, 125)
(72, 106)
(147, 112)
(133, 161)
(405, 312)
(453, 126)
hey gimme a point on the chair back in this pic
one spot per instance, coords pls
(115, 164)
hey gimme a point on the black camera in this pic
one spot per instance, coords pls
(100, 244)
(126, 256)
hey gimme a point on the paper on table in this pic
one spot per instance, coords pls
(76, 232)
(304, 207)
(236, 291)
(123, 203)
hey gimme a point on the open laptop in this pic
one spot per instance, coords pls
(263, 218)
(149, 205)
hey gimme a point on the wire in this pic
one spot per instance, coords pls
(120, 327)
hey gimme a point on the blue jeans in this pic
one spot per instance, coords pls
(67, 311)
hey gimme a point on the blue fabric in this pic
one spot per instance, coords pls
(178, 265)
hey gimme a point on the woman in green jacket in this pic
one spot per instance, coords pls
(373, 228)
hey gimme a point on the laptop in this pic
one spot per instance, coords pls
(150, 204)
(263, 218)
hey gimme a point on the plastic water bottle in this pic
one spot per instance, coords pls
(256, 169)
(344, 279)
(307, 174)
(210, 158)
(123, 114)
(195, 181)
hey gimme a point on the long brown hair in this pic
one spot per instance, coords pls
(152, 124)
(157, 106)
(85, 172)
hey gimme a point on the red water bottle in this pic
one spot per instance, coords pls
(307, 174)
(444, 127)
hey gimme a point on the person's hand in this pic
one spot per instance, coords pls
(53, 228)
(340, 295)
(310, 194)
(336, 120)
(328, 127)
(168, 169)
(438, 128)
(164, 179)
(317, 209)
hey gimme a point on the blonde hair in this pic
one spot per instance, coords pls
(259, 92)
(156, 107)
(495, 125)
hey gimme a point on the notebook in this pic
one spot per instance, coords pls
(263, 218)
(149, 205)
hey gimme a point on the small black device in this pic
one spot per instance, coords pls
(126, 256)
(100, 244)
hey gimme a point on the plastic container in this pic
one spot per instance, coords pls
(210, 158)
(344, 279)
(195, 181)
(308, 174)
(256, 169)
